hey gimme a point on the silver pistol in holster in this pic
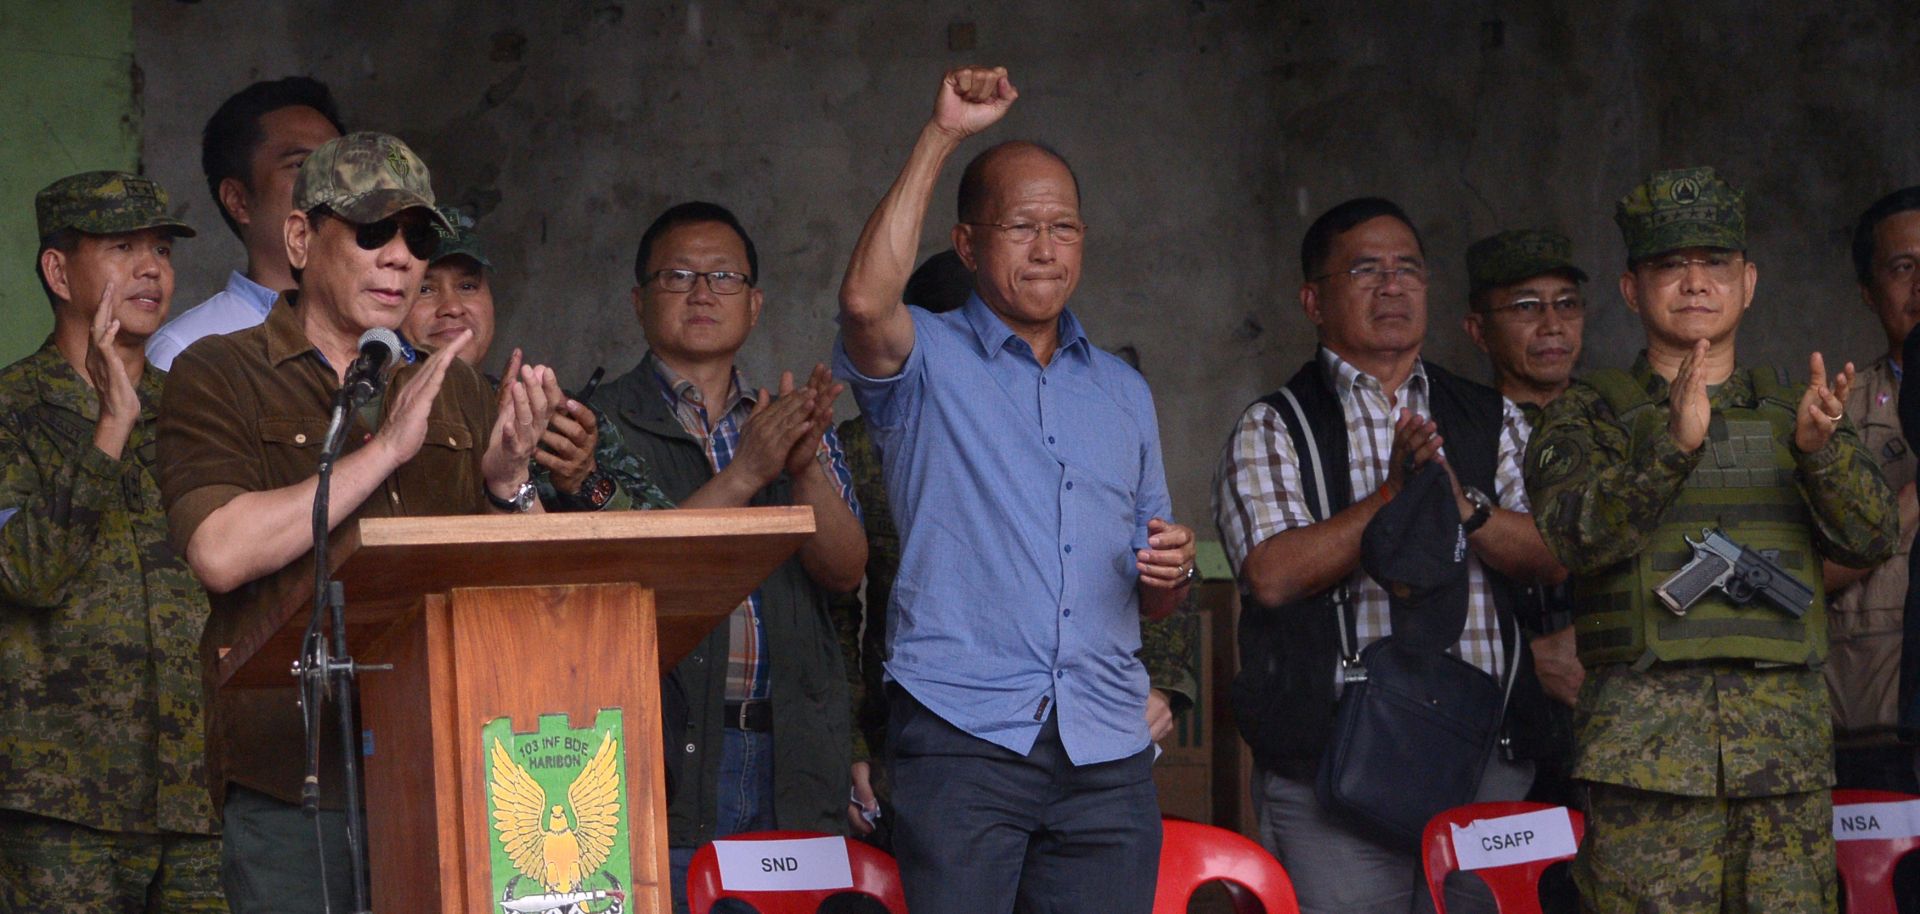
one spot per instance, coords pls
(1743, 575)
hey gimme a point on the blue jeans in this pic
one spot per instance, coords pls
(743, 802)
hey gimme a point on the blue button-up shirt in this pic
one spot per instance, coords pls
(1021, 493)
(242, 304)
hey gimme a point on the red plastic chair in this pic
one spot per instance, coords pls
(1516, 888)
(1192, 855)
(1866, 867)
(874, 874)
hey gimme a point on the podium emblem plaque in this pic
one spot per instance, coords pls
(557, 816)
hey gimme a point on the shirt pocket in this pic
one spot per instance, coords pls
(291, 445)
(444, 477)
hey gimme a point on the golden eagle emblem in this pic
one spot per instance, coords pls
(535, 833)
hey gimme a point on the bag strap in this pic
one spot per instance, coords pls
(1513, 664)
(1314, 479)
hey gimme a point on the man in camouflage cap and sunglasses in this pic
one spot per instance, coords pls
(240, 429)
(103, 777)
(1704, 736)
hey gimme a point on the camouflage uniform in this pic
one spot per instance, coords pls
(1709, 778)
(103, 774)
(1166, 645)
(634, 485)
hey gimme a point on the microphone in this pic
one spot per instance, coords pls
(379, 350)
(365, 377)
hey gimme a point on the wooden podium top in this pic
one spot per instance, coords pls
(699, 564)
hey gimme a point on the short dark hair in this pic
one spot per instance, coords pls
(689, 213)
(1333, 223)
(940, 283)
(973, 181)
(1893, 204)
(66, 241)
(233, 134)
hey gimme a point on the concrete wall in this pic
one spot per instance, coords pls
(1207, 134)
(66, 106)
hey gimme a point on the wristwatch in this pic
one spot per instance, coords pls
(520, 503)
(1482, 509)
(596, 490)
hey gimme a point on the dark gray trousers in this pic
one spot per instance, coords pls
(979, 828)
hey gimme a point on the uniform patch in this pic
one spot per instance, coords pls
(1686, 191)
(397, 161)
(1558, 460)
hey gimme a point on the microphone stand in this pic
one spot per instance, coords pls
(330, 670)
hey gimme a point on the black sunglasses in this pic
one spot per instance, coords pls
(421, 237)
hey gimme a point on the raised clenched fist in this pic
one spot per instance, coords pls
(971, 99)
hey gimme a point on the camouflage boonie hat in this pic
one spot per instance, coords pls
(105, 203)
(365, 177)
(1518, 254)
(1684, 208)
(459, 238)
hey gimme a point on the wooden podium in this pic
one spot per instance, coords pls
(493, 617)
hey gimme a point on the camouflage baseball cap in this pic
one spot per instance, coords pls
(365, 177)
(105, 203)
(1518, 254)
(459, 238)
(1684, 208)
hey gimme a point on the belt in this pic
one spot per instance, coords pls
(753, 716)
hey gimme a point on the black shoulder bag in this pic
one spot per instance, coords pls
(1415, 724)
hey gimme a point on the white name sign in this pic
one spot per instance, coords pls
(1867, 821)
(791, 865)
(1545, 834)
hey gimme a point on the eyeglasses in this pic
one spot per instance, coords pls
(1721, 268)
(1374, 276)
(1026, 232)
(1530, 310)
(722, 282)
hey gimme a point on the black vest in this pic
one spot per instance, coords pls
(1283, 696)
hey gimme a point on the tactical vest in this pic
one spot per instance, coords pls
(1743, 484)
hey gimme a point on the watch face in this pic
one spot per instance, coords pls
(598, 490)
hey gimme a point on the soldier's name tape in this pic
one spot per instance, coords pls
(1870, 821)
(785, 865)
(1545, 834)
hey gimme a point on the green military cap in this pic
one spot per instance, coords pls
(459, 238)
(1517, 254)
(365, 177)
(105, 203)
(1684, 208)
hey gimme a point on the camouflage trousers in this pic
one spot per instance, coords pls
(1648, 852)
(51, 865)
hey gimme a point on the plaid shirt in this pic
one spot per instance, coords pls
(1257, 491)
(746, 660)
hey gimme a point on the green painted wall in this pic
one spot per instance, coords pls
(66, 106)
